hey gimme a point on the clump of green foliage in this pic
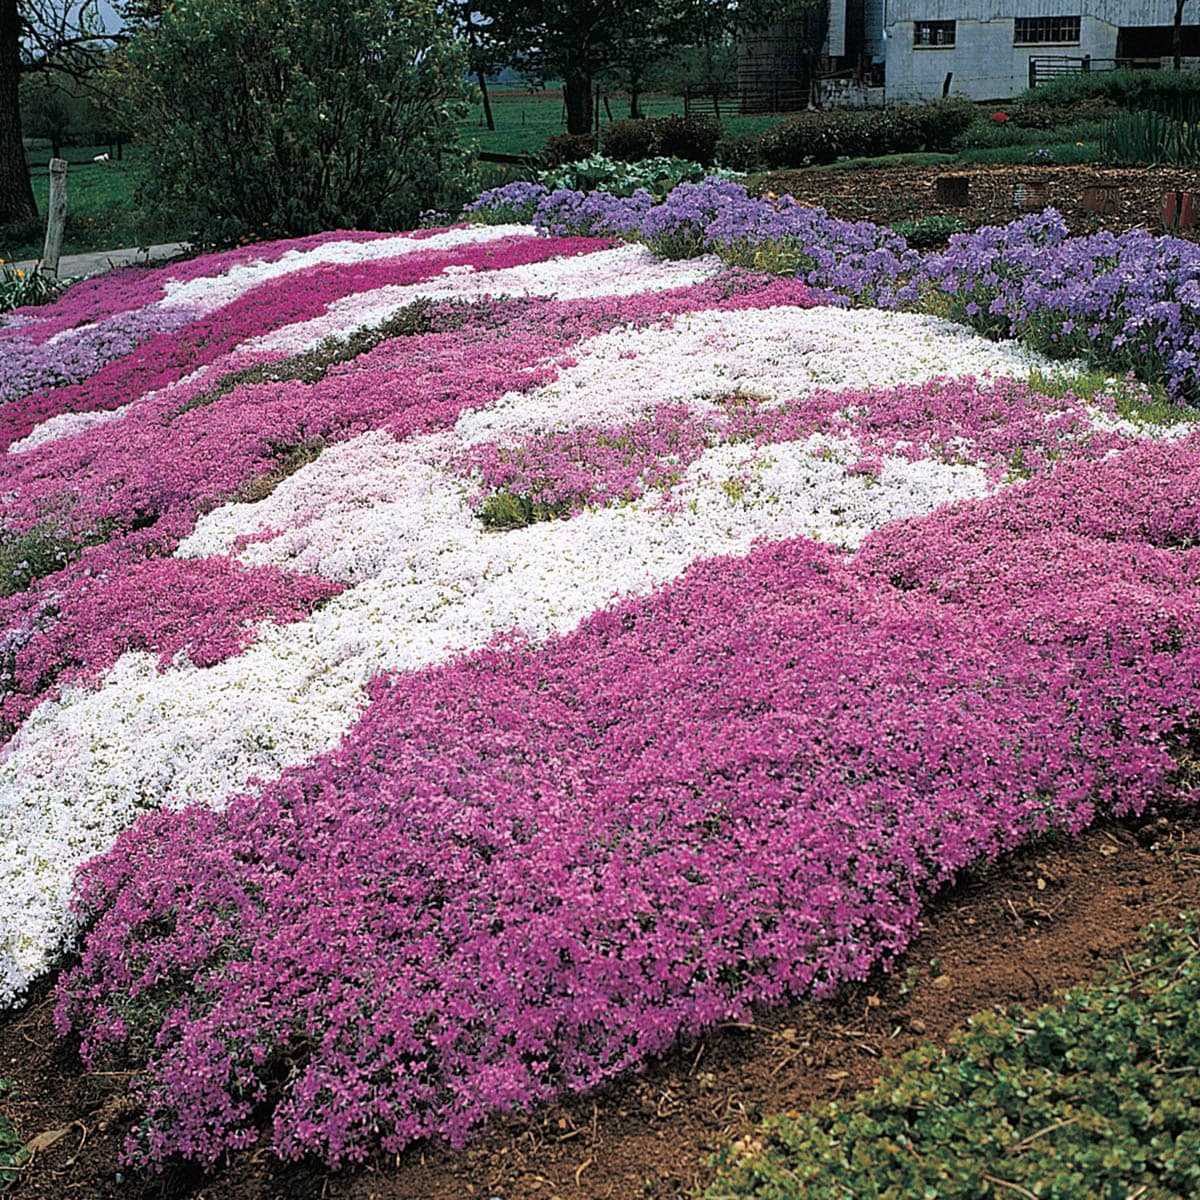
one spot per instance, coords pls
(932, 230)
(657, 176)
(19, 288)
(1176, 93)
(507, 510)
(10, 1143)
(32, 553)
(282, 118)
(1096, 1096)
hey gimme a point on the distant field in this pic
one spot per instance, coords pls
(524, 119)
(103, 212)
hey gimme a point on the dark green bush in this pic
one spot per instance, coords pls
(1027, 115)
(740, 152)
(809, 138)
(279, 117)
(631, 141)
(1096, 1097)
(693, 137)
(937, 125)
(563, 148)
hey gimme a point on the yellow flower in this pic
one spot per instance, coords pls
(19, 273)
(1079, 143)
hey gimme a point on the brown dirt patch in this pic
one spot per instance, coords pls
(889, 194)
(1043, 919)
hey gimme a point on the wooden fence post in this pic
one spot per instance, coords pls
(56, 218)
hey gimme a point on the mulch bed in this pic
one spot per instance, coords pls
(889, 194)
(1049, 917)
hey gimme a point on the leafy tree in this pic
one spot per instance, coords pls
(39, 35)
(576, 40)
(709, 68)
(282, 117)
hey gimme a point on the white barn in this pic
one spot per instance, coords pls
(985, 46)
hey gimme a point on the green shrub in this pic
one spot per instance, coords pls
(740, 152)
(631, 141)
(1176, 93)
(932, 230)
(937, 125)
(809, 138)
(283, 118)
(566, 148)
(693, 137)
(1096, 1096)
(1027, 115)
(819, 138)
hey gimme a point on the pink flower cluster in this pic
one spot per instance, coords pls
(733, 790)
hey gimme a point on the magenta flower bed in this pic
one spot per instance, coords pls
(368, 822)
(729, 792)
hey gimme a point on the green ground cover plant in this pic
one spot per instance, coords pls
(1096, 1095)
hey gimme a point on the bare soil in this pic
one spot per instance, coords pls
(1041, 920)
(897, 193)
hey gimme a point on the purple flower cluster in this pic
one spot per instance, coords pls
(734, 790)
(1129, 302)
(857, 259)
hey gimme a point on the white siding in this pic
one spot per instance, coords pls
(1110, 12)
(983, 60)
(835, 45)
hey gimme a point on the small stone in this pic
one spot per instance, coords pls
(917, 1025)
(942, 982)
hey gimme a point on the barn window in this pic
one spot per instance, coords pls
(933, 33)
(1045, 31)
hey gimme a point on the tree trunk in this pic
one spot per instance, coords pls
(577, 92)
(16, 192)
(487, 103)
(1177, 35)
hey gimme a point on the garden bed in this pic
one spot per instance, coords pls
(888, 194)
(426, 701)
(1000, 936)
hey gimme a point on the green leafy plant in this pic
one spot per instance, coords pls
(1094, 1096)
(274, 117)
(10, 1142)
(656, 175)
(932, 230)
(19, 288)
(1149, 138)
(506, 510)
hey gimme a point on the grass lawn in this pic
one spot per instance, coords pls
(524, 120)
(103, 212)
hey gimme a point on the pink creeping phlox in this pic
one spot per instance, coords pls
(529, 870)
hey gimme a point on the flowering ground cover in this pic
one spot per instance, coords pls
(441, 670)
